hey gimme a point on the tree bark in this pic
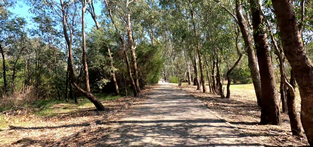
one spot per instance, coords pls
(66, 83)
(129, 67)
(283, 95)
(84, 47)
(298, 59)
(69, 40)
(270, 113)
(207, 74)
(250, 50)
(209, 81)
(124, 51)
(295, 124)
(94, 17)
(218, 77)
(4, 70)
(201, 73)
(283, 89)
(188, 69)
(279, 52)
(132, 48)
(113, 72)
(197, 51)
(213, 75)
(233, 67)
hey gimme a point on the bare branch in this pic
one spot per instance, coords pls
(229, 12)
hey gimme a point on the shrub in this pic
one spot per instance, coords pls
(173, 79)
(241, 75)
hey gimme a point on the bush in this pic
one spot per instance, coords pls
(241, 75)
(173, 79)
(149, 62)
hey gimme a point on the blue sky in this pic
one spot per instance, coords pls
(22, 10)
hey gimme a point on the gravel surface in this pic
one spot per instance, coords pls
(170, 117)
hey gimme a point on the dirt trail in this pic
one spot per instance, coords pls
(171, 117)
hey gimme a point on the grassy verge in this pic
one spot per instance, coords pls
(48, 108)
(53, 108)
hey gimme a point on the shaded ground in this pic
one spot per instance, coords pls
(170, 117)
(28, 129)
(242, 112)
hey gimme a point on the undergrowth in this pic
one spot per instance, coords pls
(11, 107)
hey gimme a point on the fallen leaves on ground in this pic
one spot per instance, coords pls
(27, 129)
(242, 112)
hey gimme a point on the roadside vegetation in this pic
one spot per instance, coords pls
(69, 55)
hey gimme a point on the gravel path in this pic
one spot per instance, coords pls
(171, 117)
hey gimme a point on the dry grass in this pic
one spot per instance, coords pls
(17, 99)
(57, 122)
(241, 111)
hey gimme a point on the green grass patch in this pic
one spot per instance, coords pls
(5, 108)
(50, 108)
(242, 86)
(173, 79)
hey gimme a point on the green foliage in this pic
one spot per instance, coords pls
(173, 79)
(241, 75)
(150, 62)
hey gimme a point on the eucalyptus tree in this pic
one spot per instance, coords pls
(84, 4)
(298, 59)
(197, 47)
(218, 42)
(230, 70)
(183, 13)
(65, 12)
(244, 28)
(12, 44)
(3, 21)
(270, 113)
(109, 6)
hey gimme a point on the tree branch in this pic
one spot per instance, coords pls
(229, 12)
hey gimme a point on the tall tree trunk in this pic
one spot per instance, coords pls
(129, 67)
(218, 77)
(295, 124)
(69, 40)
(270, 113)
(4, 71)
(71, 91)
(125, 84)
(283, 88)
(209, 81)
(250, 50)
(94, 17)
(132, 48)
(229, 72)
(189, 76)
(197, 51)
(207, 74)
(279, 52)
(196, 81)
(298, 59)
(234, 66)
(213, 75)
(188, 69)
(201, 73)
(124, 51)
(84, 47)
(66, 82)
(113, 72)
